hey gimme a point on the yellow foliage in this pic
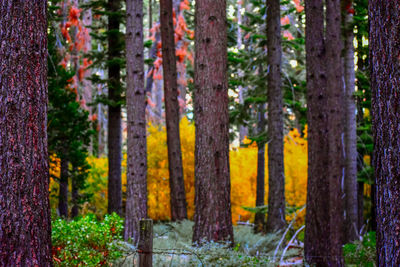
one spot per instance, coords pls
(243, 168)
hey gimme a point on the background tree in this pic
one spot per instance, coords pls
(385, 66)
(212, 217)
(114, 141)
(350, 133)
(276, 196)
(177, 186)
(24, 169)
(323, 236)
(136, 200)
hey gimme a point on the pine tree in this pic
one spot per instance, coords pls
(212, 217)
(136, 199)
(177, 186)
(25, 231)
(324, 217)
(385, 80)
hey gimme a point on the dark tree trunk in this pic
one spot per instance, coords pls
(63, 194)
(384, 44)
(75, 199)
(276, 173)
(176, 182)
(323, 236)
(114, 110)
(213, 219)
(259, 220)
(136, 199)
(25, 230)
(350, 134)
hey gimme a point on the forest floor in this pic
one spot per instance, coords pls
(172, 246)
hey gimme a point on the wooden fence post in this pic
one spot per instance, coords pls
(145, 246)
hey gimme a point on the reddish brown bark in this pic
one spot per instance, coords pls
(323, 236)
(384, 47)
(24, 171)
(212, 217)
(276, 173)
(176, 183)
(136, 199)
(114, 141)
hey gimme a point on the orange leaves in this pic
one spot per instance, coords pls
(74, 14)
(288, 35)
(184, 5)
(299, 7)
(285, 20)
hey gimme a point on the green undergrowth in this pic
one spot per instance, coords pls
(172, 246)
(361, 252)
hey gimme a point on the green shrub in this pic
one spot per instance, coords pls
(361, 252)
(86, 241)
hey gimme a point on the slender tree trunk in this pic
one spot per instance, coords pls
(276, 173)
(25, 230)
(114, 110)
(176, 182)
(259, 220)
(63, 194)
(350, 134)
(213, 219)
(336, 133)
(324, 215)
(384, 48)
(75, 199)
(136, 199)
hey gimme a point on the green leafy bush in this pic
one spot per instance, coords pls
(86, 241)
(361, 252)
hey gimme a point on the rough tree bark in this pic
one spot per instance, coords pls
(63, 194)
(176, 182)
(136, 199)
(114, 141)
(323, 239)
(259, 219)
(25, 231)
(276, 173)
(213, 219)
(384, 44)
(350, 134)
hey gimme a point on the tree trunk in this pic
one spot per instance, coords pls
(350, 134)
(63, 194)
(385, 84)
(324, 215)
(259, 220)
(276, 173)
(114, 110)
(213, 219)
(25, 230)
(136, 199)
(75, 199)
(176, 182)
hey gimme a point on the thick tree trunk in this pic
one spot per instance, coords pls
(350, 134)
(136, 199)
(176, 182)
(25, 230)
(63, 192)
(325, 149)
(259, 220)
(276, 173)
(114, 110)
(213, 219)
(385, 84)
